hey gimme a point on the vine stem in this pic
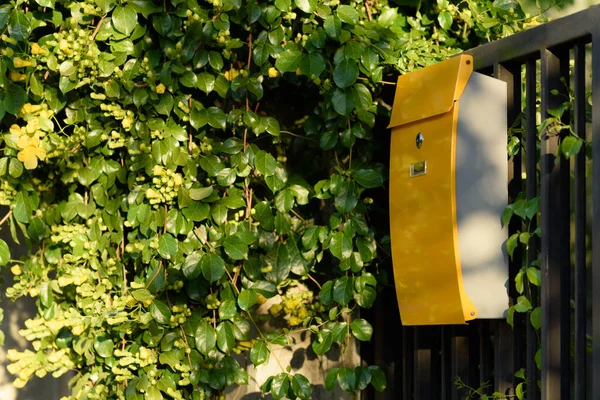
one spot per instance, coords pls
(368, 8)
(155, 274)
(7, 216)
(299, 136)
(382, 82)
(97, 28)
(314, 280)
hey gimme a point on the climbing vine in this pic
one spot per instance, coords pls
(173, 164)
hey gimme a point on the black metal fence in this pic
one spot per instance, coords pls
(543, 67)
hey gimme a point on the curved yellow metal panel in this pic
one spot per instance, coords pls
(424, 233)
(430, 91)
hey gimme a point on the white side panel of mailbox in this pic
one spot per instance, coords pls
(482, 193)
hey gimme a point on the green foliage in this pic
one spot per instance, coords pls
(171, 166)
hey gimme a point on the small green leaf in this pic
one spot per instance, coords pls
(378, 379)
(331, 379)
(167, 246)
(570, 146)
(142, 295)
(341, 246)
(345, 73)
(308, 6)
(347, 14)
(343, 102)
(445, 20)
(288, 61)
(247, 299)
(125, 19)
(361, 329)
(235, 247)
(213, 267)
(104, 346)
(259, 354)
(343, 289)
(523, 304)
(346, 379)
(534, 276)
(301, 386)
(225, 338)
(160, 312)
(368, 178)
(511, 244)
(4, 253)
(205, 337)
(227, 309)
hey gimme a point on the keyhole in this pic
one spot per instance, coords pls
(419, 140)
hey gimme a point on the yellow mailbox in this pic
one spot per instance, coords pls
(448, 170)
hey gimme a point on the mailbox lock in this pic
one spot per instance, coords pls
(419, 140)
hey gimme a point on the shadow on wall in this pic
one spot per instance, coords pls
(15, 314)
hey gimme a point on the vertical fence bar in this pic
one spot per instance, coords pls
(422, 354)
(446, 355)
(505, 373)
(580, 197)
(460, 359)
(407, 362)
(531, 189)
(596, 214)
(555, 361)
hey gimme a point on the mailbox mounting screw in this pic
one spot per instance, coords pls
(472, 313)
(419, 140)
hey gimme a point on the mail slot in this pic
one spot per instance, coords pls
(448, 189)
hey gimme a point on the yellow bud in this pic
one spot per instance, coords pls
(36, 49)
(20, 63)
(298, 72)
(16, 270)
(160, 88)
(17, 77)
(273, 73)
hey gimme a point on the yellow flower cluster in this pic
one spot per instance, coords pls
(28, 139)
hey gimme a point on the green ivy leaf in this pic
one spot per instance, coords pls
(227, 309)
(167, 246)
(378, 379)
(343, 102)
(346, 379)
(368, 178)
(341, 246)
(361, 329)
(323, 343)
(225, 339)
(160, 312)
(445, 20)
(104, 346)
(534, 276)
(259, 354)
(235, 247)
(4, 253)
(331, 379)
(345, 73)
(213, 267)
(125, 19)
(343, 290)
(308, 6)
(347, 14)
(512, 243)
(301, 386)
(247, 299)
(205, 337)
(288, 60)
(312, 64)
(280, 386)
